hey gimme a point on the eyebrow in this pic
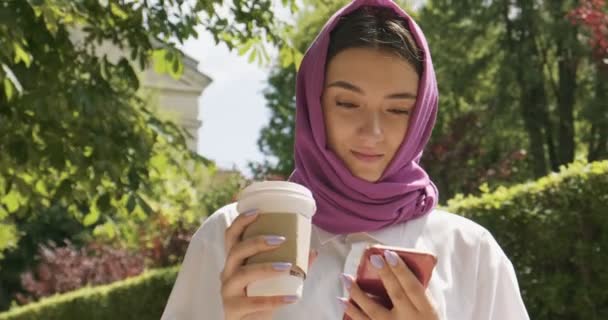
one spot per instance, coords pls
(352, 87)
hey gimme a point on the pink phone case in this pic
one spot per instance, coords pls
(421, 263)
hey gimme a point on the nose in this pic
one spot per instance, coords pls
(371, 128)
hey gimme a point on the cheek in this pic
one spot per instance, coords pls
(336, 129)
(396, 135)
(339, 129)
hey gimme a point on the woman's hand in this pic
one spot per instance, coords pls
(409, 298)
(235, 277)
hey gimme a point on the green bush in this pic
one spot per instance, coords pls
(555, 231)
(142, 297)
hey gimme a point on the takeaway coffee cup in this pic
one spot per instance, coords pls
(285, 209)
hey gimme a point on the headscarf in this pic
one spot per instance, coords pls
(346, 203)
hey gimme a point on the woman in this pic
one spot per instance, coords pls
(366, 104)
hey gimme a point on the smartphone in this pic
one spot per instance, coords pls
(420, 263)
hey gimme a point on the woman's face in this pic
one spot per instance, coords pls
(367, 101)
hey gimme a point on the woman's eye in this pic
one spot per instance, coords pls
(347, 105)
(400, 111)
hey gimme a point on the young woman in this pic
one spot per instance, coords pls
(366, 105)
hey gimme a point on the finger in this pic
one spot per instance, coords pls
(233, 233)
(370, 307)
(259, 315)
(391, 284)
(411, 285)
(234, 285)
(351, 310)
(247, 248)
(249, 305)
(312, 257)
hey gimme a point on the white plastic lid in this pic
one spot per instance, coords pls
(272, 186)
(277, 196)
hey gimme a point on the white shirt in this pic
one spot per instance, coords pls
(473, 278)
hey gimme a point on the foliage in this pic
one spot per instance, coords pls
(520, 91)
(81, 154)
(142, 297)
(592, 14)
(66, 268)
(75, 136)
(554, 231)
(522, 70)
(160, 242)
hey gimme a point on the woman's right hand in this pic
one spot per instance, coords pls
(235, 277)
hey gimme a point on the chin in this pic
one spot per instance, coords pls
(367, 176)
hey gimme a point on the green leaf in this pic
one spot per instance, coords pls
(177, 67)
(245, 47)
(159, 61)
(92, 217)
(133, 179)
(294, 7)
(252, 56)
(22, 55)
(129, 73)
(286, 57)
(41, 187)
(298, 56)
(88, 151)
(106, 230)
(8, 89)
(11, 201)
(144, 206)
(131, 203)
(117, 11)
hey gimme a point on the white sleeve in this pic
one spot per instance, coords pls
(196, 292)
(497, 294)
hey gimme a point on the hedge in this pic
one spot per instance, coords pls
(555, 231)
(142, 298)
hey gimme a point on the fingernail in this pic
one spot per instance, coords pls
(274, 240)
(391, 257)
(281, 266)
(250, 213)
(343, 302)
(347, 281)
(377, 261)
(290, 298)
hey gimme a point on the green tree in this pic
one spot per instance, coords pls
(523, 69)
(520, 93)
(81, 154)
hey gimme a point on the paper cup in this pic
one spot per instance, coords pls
(285, 209)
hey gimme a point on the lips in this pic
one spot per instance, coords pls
(367, 156)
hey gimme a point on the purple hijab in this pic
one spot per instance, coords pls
(345, 203)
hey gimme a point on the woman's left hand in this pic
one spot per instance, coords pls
(409, 297)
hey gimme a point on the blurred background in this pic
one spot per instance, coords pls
(124, 124)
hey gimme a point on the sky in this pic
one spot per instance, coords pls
(232, 108)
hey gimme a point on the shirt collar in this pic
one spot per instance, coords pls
(391, 235)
